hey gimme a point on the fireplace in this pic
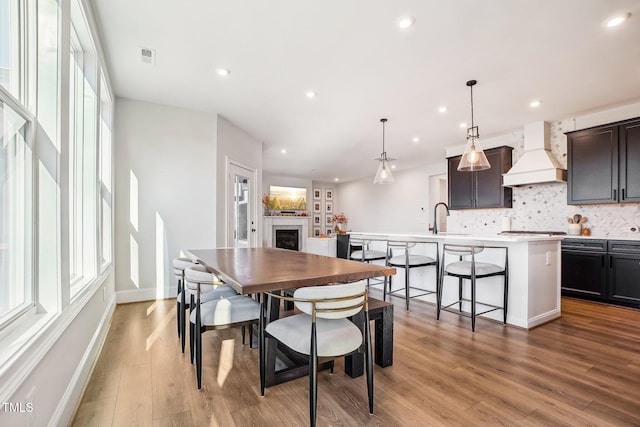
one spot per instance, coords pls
(273, 224)
(287, 239)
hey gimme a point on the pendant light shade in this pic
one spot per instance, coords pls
(473, 158)
(383, 175)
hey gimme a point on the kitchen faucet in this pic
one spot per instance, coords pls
(435, 215)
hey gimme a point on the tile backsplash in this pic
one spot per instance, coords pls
(544, 206)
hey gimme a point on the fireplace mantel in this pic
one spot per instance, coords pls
(271, 223)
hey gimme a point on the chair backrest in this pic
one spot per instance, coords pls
(332, 301)
(342, 250)
(463, 249)
(199, 274)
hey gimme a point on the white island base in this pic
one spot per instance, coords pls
(534, 276)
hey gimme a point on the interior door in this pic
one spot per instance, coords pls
(241, 224)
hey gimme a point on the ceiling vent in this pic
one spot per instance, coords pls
(147, 56)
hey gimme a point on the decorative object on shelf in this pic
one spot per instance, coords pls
(383, 175)
(575, 225)
(473, 158)
(340, 221)
(266, 202)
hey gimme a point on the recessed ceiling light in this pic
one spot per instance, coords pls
(405, 22)
(393, 166)
(463, 125)
(617, 20)
(535, 103)
(336, 179)
(415, 139)
(311, 94)
(283, 151)
(223, 72)
(442, 109)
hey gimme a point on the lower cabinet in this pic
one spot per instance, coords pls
(602, 270)
(584, 272)
(624, 272)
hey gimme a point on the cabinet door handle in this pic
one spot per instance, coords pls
(623, 194)
(614, 195)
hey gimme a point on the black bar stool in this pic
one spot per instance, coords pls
(403, 258)
(360, 251)
(466, 268)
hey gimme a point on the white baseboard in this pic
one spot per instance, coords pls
(72, 396)
(145, 294)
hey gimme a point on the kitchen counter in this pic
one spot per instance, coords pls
(634, 237)
(534, 273)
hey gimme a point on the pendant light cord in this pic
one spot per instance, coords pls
(471, 106)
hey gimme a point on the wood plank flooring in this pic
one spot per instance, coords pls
(580, 370)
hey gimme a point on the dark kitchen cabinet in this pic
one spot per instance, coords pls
(624, 272)
(602, 270)
(603, 164)
(480, 189)
(583, 268)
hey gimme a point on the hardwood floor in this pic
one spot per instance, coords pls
(582, 369)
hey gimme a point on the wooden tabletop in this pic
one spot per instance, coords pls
(254, 270)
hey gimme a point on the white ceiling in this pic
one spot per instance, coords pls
(363, 68)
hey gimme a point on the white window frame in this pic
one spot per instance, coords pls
(28, 262)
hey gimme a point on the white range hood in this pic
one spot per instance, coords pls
(537, 165)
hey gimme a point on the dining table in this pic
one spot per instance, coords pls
(254, 271)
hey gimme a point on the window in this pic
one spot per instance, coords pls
(104, 173)
(10, 46)
(83, 110)
(16, 284)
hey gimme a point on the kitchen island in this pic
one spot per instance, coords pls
(534, 273)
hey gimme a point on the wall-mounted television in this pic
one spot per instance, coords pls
(287, 198)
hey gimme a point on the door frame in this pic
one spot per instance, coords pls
(253, 239)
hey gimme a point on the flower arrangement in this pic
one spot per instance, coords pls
(265, 200)
(339, 219)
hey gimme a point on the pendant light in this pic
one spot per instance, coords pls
(473, 158)
(383, 175)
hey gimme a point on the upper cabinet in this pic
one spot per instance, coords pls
(481, 189)
(603, 164)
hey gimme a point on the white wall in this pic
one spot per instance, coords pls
(172, 154)
(236, 145)
(402, 206)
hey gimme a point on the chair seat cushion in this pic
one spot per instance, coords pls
(227, 311)
(369, 255)
(182, 263)
(336, 337)
(414, 260)
(209, 293)
(463, 268)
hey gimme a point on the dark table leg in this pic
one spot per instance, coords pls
(384, 338)
(354, 363)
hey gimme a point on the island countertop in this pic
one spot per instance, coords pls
(463, 236)
(534, 272)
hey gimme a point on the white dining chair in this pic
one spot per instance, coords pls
(321, 331)
(197, 276)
